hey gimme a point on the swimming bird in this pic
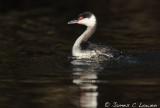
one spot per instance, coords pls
(82, 48)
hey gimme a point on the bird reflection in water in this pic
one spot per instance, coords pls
(86, 79)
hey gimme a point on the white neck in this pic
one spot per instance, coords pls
(83, 38)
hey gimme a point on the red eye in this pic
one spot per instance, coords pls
(80, 18)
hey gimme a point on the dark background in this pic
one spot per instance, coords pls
(81, 5)
(21, 5)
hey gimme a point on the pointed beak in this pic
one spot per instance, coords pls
(72, 22)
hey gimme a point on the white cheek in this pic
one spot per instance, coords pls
(84, 21)
(88, 21)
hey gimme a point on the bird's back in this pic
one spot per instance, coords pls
(101, 49)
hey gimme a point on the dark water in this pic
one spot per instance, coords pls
(35, 71)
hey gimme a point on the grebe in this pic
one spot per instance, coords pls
(84, 49)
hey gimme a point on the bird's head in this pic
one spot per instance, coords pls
(86, 18)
